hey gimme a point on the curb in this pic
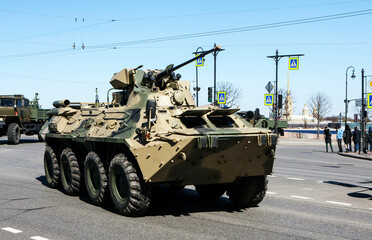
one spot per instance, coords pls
(355, 155)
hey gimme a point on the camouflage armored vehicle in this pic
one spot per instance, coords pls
(19, 116)
(152, 133)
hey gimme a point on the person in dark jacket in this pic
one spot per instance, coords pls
(327, 138)
(347, 138)
(356, 139)
(370, 138)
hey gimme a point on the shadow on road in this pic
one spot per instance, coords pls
(356, 194)
(171, 202)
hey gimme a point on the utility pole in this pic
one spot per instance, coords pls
(276, 58)
(198, 51)
(215, 81)
(362, 137)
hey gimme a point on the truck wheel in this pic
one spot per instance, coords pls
(70, 172)
(211, 191)
(51, 167)
(95, 178)
(130, 197)
(249, 191)
(14, 133)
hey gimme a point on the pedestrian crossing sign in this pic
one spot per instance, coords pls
(369, 100)
(269, 99)
(199, 61)
(293, 63)
(221, 98)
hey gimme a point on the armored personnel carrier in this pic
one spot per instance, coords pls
(152, 133)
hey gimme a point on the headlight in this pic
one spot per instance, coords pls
(1, 119)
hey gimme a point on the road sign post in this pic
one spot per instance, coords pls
(269, 99)
(221, 98)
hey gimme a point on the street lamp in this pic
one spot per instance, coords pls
(346, 101)
(198, 51)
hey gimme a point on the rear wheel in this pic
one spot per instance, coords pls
(51, 167)
(128, 194)
(211, 191)
(249, 191)
(70, 172)
(14, 133)
(95, 178)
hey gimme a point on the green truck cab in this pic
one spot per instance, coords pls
(19, 115)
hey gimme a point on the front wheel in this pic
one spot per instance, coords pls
(128, 194)
(14, 133)
(248, 191)
(51, 167)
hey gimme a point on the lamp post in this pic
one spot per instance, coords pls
(346, 101)
(198, 51)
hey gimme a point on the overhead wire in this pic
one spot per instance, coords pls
(208, 33)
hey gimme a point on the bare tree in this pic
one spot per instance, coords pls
(320, 105)
(233, 94)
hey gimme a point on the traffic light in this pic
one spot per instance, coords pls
(280, 101)
(209, 94)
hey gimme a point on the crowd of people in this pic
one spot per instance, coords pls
(346, 137)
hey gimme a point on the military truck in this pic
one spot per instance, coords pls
(19, 116)
(258, 120)
(152, 133)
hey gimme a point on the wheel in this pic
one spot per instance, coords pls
(249, 191)
(130, 197)
(70, 172)
(51, 167)
(211, 191)
(95, 178)
(14, 133)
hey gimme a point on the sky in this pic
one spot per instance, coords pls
(36, 53)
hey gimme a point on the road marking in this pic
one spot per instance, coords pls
(293, 178)
(39, 238)
(271, 176)
(300, 197)
(320, 181)
(12, 230)
(339, 203)
(272, 193)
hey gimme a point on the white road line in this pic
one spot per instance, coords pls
(293, 178)
(339, 203)
(320, 181)
(12, 230)
(38, 238)
(272, 193)
(271, 176)
(300, 197)
(370, 209)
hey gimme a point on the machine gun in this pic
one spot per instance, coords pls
(169, 70)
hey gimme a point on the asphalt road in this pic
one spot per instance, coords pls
(312, 195)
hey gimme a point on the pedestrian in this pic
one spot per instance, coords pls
(370, 138)
(356, 139)
(327, 138)
(339, 136)
(347, 138)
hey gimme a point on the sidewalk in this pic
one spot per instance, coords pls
(367, 156)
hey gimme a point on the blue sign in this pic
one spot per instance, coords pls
(293, 63)
(221, 99)
(269, 99)
(369, 100)
(199, 61)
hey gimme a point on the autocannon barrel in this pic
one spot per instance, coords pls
(167, 72)
(61, 103)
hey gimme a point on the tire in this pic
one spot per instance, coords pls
(211, 191)
(249, 191)
(70, 172)
(129, 196)
(95, 179)
(14, 133)
(51, 167)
